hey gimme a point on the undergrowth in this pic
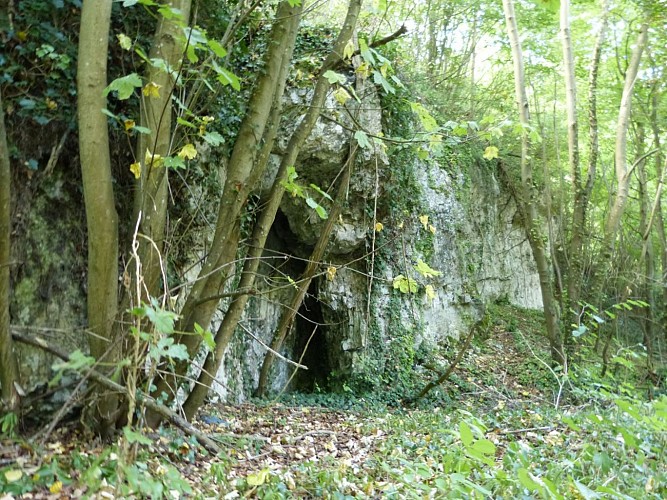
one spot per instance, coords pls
(494, 430)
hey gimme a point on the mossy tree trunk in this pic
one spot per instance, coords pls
(287, 28)
(527, 199)
(101, 217)
(246, 165)
(9, 374)
(151, 195)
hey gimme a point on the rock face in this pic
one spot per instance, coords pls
(420, 247)
(462, 226)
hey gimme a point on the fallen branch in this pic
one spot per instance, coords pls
(450, 369)
(147, 401)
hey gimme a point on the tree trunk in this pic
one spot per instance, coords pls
(9, 374)
(613, 221)
(156, 114)
(257, 240)
(101, 217)
(575, 256)
(267, 217)
(527, 200)
(247, 162)
(290, 312)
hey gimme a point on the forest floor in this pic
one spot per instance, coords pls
(504, 426)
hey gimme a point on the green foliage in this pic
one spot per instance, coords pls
(298, 190)
(8, 424)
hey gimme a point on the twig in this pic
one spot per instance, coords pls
(275, 353)
(451, 367)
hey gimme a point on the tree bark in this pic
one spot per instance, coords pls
(247, 162)
(156, 114)
(290, 312)
(101, 217)
(613, 221)
(579, 209)
(527, 200)
(9, 374)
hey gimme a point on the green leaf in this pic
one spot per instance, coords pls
(258, 478)
(427, 121)
(136, 437)
(404, 284)
(207, 336)
(13, 475)
(366, 53)
(217, 48)
(226, 77)
(466, 434)
(141, 130)
(213, 138)
(526, 480)
(333, 77)
(161, 319)
(124, 86)
(425, 270)
(485, 446)
(317, 207)
(379, 79)
(362, 139)
(174, 162)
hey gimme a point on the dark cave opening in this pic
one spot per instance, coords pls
(316, 356)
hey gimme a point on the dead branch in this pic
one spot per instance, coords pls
(147, 401)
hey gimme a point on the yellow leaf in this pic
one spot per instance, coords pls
(431, 228)
(331, 273)
(491, 152)
(188, 152)
(51, 104)
(153, 160)
(135, 168)
(379, 226)
(341, 95)
(258, 478)
(430, 292)
(152, 89)
(13, 475)
(348, 50)
(129, 124)
(424, 220)
(124, 41)
(56, 487)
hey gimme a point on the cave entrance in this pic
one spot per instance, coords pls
(316, 358)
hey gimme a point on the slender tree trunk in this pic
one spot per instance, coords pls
(156, 114)
(9, 374)
(247, 162)
(576, 245)
(527, 200)
(660, 166)
(647, 255)
(257, 240)
(290, 312)
(576, 258)
(268, 215)
(101, 217)
(613, 221)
